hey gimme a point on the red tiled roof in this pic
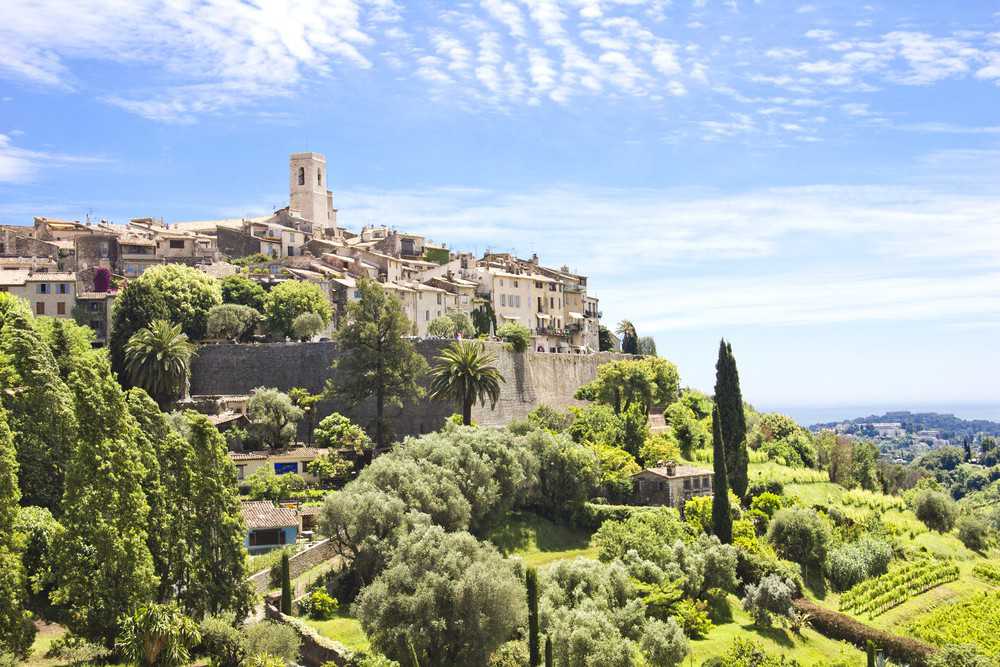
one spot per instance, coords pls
(679, 471)
(258, 514)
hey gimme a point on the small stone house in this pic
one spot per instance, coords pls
(269, 526)
(281, 462)
(670, 484)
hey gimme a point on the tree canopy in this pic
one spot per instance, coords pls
(187, 293)
(290, 299)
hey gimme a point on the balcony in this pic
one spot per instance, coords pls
(553, 331)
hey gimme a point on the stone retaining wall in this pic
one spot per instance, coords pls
(531, 379)
(315, 649)
(298, 564)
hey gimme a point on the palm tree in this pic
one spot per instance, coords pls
(630, 339)
(158, 359)
(465, 373)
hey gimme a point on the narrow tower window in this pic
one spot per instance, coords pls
(319, 177)
(302, 175)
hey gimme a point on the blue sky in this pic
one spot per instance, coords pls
(816, 181)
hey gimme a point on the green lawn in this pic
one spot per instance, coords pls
(342, 628)
(47, 633)
(538, 541)
(810, 649)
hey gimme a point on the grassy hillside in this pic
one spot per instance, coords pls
(538, 541)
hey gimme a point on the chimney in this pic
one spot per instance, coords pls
(671, 468)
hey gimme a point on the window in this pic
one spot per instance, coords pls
(439, 299)
(539, 304)
(176, 244)
(538, 284)
(40, 308)
(319, 177)
(552, 302)
(96, 326)
(61, 308)
(302, 175)
(503, 299)
(266, 538)
(43, 288)
(687, 485)
(515, 283)
(285, 468)
(291, 251)
(427, 316)
(241, 471)
(63, 288)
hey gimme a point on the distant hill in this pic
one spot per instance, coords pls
(951, 427)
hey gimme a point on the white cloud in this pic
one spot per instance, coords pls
(21, 165)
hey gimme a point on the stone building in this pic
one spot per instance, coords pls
(670, 484)
(309, 198)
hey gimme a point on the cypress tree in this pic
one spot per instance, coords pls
(531, 583)
(722, 520)
(548, 651)
(729, 400)
(871, 653)
(17, 632)
(286, 586)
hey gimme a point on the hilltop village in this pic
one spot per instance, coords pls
(54, 264)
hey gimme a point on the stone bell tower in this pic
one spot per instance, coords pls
(308, 194)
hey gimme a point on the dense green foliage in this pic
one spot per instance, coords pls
(241, 291)
(376, 363)
(232, 321)
(517, 336)
(136, 307)
(290, 299)
(158, 636)
(800, 535)
(878, 595)
(722, 520)
(187, 293)
(16, 629)
(337, 431)
(971, 620)
(273, 417)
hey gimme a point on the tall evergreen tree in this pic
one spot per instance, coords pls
(729, 400)
(104, 565)
(722, 519)
(218, 560)
(531, 585)
(39, 406)
(138, 305)
(376, 362)
(286, 586)
(17, 632)
(548, 651)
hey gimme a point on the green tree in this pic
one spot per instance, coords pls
(104, 565)
(465, 373)
(41, 533)
(722, 520)
(484, 319)
(17, 632)
(548, 651)
(39, 406)
(187, 293)
(441, 327)
(307, 325)
(376, 362)
(729, 400)
(604, 342)
(799, 535)
(233, 322)
(338, 432)
(217, 582)
(137, 306)
(463, 324)
(292, 298)
(273, 416)
(444, 599)
(649, 382)
(935, 509)
(241, 291)
(647, 346)
(308, 403)
(158, 359)
(630, 339)
(517, 336)
(286, 586)
(158, 635)
(531, 588)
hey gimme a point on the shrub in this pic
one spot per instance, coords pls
(549, 418)
(517, 336)
(748, 653)
(512, 654)
(772, 595)
(973, 532)
(663, 643)
(935, 509)
(265, 660)
(265, 485)
(222, 642)
(319, 605)
(800, 536)
(441, 327)
(769, 503)
(75, 650)
(852, 563)
(693, 618)
(960, 655)
(273, 639)
(158, 635)
(752, 567)
(659, 447)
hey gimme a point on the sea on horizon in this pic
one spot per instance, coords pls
(807, 415)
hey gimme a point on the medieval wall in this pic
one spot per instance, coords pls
(532, 379)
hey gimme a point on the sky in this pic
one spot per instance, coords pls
(817, 182)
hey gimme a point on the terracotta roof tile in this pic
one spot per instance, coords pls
(259, 514)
